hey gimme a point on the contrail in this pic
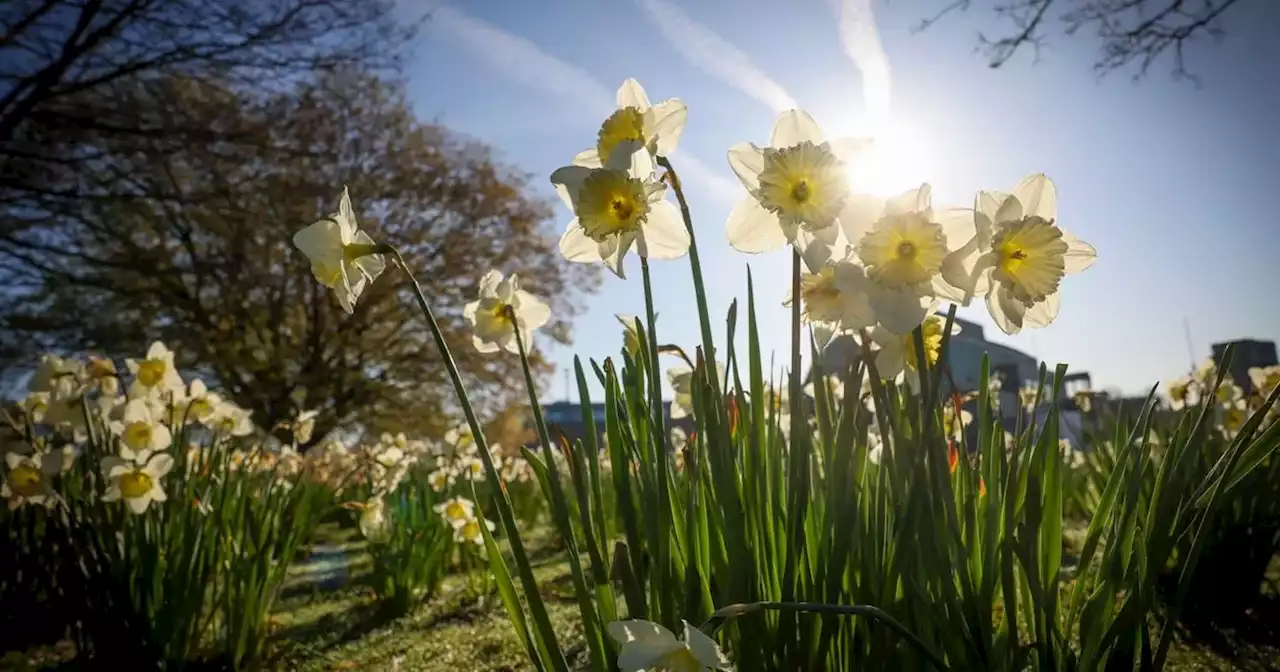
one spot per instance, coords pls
(861, 41)
(525, 63)
(717, 57)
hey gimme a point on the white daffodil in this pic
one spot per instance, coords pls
(35, 405)
(834, 297)
(901, 242)
(304, 426)
(681, 380)
(897, 352)
(440, 479)
(156, 375)
(232, 420)
(199, 404)
(1264, 379)
(373, 519)
(456, 511)
(1231, 417)
(1027, 395)
(501, 309)
(30, 479)
(657, 128)
(797, 187)
(56, 376)
(616, 206)
(102, 373)
(136, 479)
(679, 440)
(952, 429)
(1017, 256)
(342, 256)
(1183, 392)
(631, 334)
(471, 467)
(141, 430)
(1084, 400)
(648, 646)
(469, 531)
(460, 440)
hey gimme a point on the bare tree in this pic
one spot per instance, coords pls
(190, 242)
(1134, 34)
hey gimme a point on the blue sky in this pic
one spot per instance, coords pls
(1172, 183)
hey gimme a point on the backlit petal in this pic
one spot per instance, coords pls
(668, 123)
(753, 229)
(575, 245)
(568, 181)
(663, 234)
(747, 162)
(1039, 197)
(1042, 313)
(704, 649)
(533, 312)
(1080, 255)
(794, 127)
(631, 94)
(589, 158)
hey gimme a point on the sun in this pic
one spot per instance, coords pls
(898, 159)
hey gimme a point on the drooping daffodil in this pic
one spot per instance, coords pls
(616, 206)
(136, 478)
(796, 188)
(657, 128)
(648, 646)
(1017, 256)
(501, 309)
(342, 256)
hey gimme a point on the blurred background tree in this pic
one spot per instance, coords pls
(1132, 34)
(158, 200)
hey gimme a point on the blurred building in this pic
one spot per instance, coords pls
(1014, 367)
(1248, 354)
(568, 417)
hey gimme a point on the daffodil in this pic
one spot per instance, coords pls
(155, 375)
(199, 404)
(897, 352)
(501, 309)
(440, 479)
(1183, 392)
(902, 242)
(471, 467)
(834, 298)
(657, 128)
(30, 479)
(342, 256)
(456, 510)
(373, 519)
(1028, 395)
(1264, 379)
(136, 479)
(142, 430)
(953, 425)
(616, 206)
(56, 376)
(35, 405)
(796, 189)
(1017, 256)
(1084, 400)
(648, 646)
(304, 426)
(102, 372)
(1231, 417)
(232, 420)
(469, 531)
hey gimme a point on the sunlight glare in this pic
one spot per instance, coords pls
(899, 159)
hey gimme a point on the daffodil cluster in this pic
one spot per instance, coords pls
(1228, 402)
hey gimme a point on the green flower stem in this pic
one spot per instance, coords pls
(725, 614)
(560, 509)
(704, 318)
(505, 514)
(660, 443)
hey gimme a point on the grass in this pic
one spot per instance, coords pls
(328, 620)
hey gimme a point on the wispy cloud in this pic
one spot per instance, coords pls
(716, 56)
(861, 41)
(525, 63)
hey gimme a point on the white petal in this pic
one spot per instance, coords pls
(641, 163)
(1042, 313)
(898, 310)
(957, 226)
(663, 234)
(112, 494)
(1005, 311)
(753, 229)
(637, 630)
(160, 437)
(321, 242)
(616, 250)
(138, 504)
(370, 265)
(889, 361)
(668, 119)
(1080, 255)
(137, 411)
(346, 216)
(567, 181)
(589, 158)
(794, 127)
(1011, 210)
(1039, 197)
(704, 649)
(469, 311)
(158, 494)
(159, 465)
(533, 312)
(484, 346)
(575, 245)
(859, 216)
(912, 200)
(14, 460)
(346, 298)
(747, 162)
(489, 284)
(631, 94)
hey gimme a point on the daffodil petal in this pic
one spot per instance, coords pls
(747, 162)
(631, 94)
(1042, 313)
(568, 181)
(859, 216)
(663, 234)
(668, 124)
(794, 127)
(533, 312)
(899, 310)
(704, 649)
(589, 158)
(753, 229)
(1080, 255)
(576, 246)
(1038, 196)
